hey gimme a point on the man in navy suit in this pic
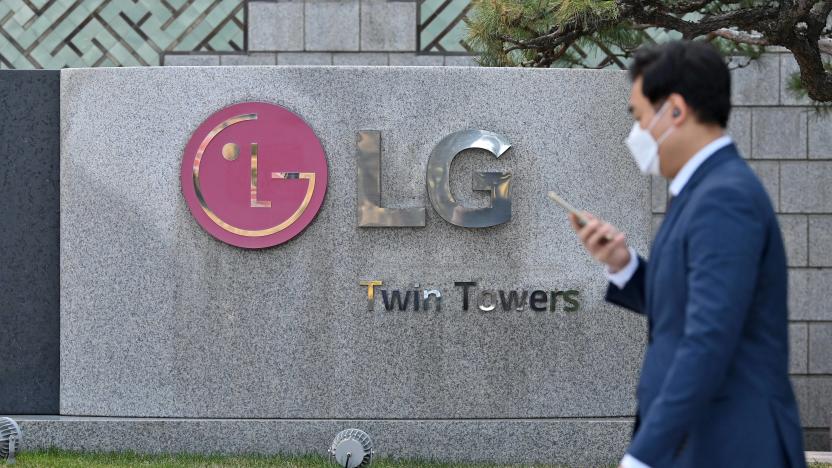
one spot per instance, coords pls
(714, 388)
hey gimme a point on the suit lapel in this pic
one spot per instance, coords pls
(679, 201)
(719, 157)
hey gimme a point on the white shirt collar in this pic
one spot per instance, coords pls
(681, 179)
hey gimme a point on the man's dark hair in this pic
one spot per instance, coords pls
(693, 69)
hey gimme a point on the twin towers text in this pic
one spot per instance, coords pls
(418, 298)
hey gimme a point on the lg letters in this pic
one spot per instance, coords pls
(372, 214)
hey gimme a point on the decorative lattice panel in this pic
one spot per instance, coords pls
(92, 33)
(441, 28)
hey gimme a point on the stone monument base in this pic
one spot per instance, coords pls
(568, 441)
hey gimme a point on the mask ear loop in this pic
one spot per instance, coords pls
(664, 135)
(658, 115)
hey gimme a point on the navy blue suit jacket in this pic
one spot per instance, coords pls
(714, 388)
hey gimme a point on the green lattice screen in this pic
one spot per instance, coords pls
(441, 28)
(92, 33)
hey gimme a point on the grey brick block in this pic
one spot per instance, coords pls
(461, 61)
(658, 194)
(757, 84)
(820, 348)
(820, 135)
(739, 127)
(275, 26)
(788, 66)
(256, 58)
(388, 26)
(798, 348)
(805, 187)
(407, 60)
(769, 174)
(778, 133)
(304, 58)
(820, 240)
(796, 237)
(359, 58)
(191, 60)
(814, 398)
(332, 25)
(808, 294)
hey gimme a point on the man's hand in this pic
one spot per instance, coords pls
(613, 253)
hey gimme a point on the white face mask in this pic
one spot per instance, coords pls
(644, 148)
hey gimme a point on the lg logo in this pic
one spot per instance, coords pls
(254, 175)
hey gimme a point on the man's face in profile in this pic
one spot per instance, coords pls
(652, 119)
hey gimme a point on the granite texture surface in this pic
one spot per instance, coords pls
(158, 319)
(29, 256)
(573, 442)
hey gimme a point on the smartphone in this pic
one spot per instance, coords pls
(581, 218)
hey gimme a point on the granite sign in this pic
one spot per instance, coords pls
(169, 334)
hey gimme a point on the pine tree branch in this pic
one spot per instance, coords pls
(739, 37)
(798, 25)
(745, 18)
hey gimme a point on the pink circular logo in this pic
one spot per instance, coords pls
(254, 175)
